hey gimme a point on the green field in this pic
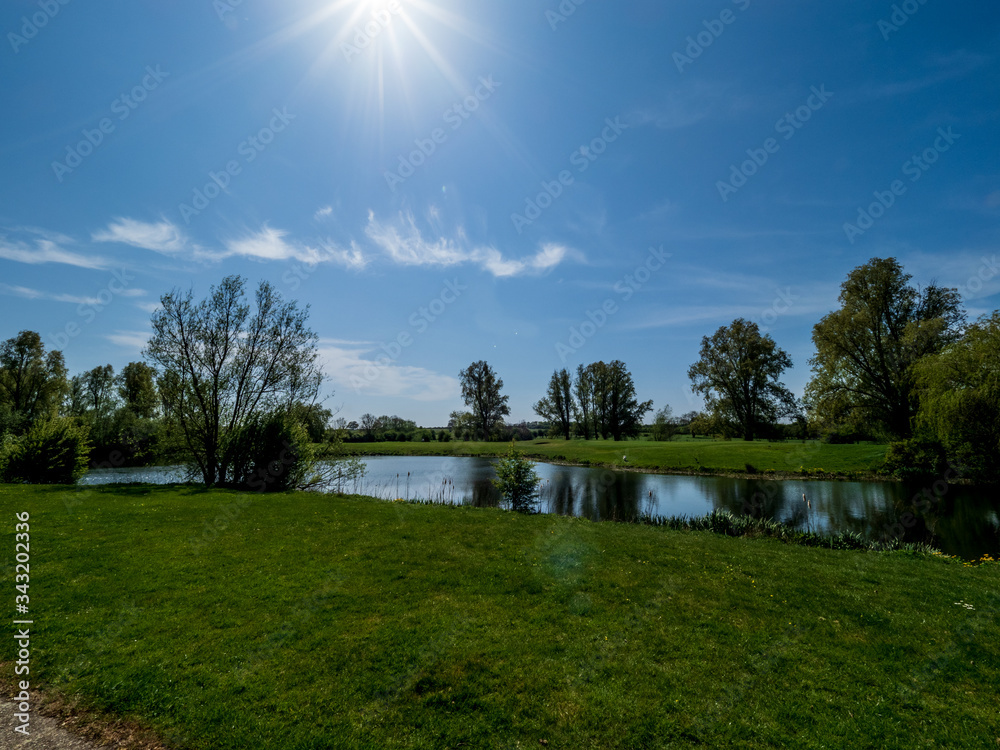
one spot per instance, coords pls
(310, 621)
(687, 456)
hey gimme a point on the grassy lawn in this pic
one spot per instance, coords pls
(680, 455)
(311, 621)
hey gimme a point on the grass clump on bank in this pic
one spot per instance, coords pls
(305, 621)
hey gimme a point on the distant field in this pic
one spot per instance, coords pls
(230, 621)
(688, 455)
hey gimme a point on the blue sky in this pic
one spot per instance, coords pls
(480, 180)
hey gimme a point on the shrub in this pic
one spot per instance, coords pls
(271, 453)
(915, 458)
(53, 451)
(517, 481)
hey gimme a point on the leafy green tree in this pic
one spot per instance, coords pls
(481, 392)
(866, 350)
(584, 388)
(462, 423)
(959, 389)
(370, 424)
(53, 451)
(224, 366)
(737, 374)
(137, 389)
(557, 407)
(664, 426)
(314, 418)
(620, 411)
(32, 382)
(517, 481)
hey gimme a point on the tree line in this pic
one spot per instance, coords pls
(231, 388)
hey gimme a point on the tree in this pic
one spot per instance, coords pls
(370, 423)
(98, 389)
(664, 426)
(557, 407)
(228, 365)
(737, 374)
(137, 389)
(32, 382)
(584, 398)
(866, 350)
(517, 481)
(959, 391)
(461, 423)
(481, 392)
(621, 414)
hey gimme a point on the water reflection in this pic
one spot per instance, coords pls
(959, 520)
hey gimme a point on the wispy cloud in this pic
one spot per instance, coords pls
(270, 244)
(323, 213)
(29, 293)
(162, 237)
(355, 368)
(403, 243)
(43, 249)
(134, 340)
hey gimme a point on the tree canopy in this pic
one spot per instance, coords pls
(557, 407)
(738, 376)
(481, 391)
(226, 365)
(865, 351)
(959, 390)
(32, 381)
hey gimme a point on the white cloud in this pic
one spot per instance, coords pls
(362, 369)
(47, 251)
(28, 293)
(162, 237)
(404, 243)
(323, 213)
(270, 244)
(135, 340)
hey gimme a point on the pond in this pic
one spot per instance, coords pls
(958, 520)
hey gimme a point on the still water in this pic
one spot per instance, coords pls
(958, 520)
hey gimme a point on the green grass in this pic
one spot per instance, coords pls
(812, 458)
(311, 621)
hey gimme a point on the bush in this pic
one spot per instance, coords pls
(272, 453)
(915, 458)
(53, 451)
(517, 481)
